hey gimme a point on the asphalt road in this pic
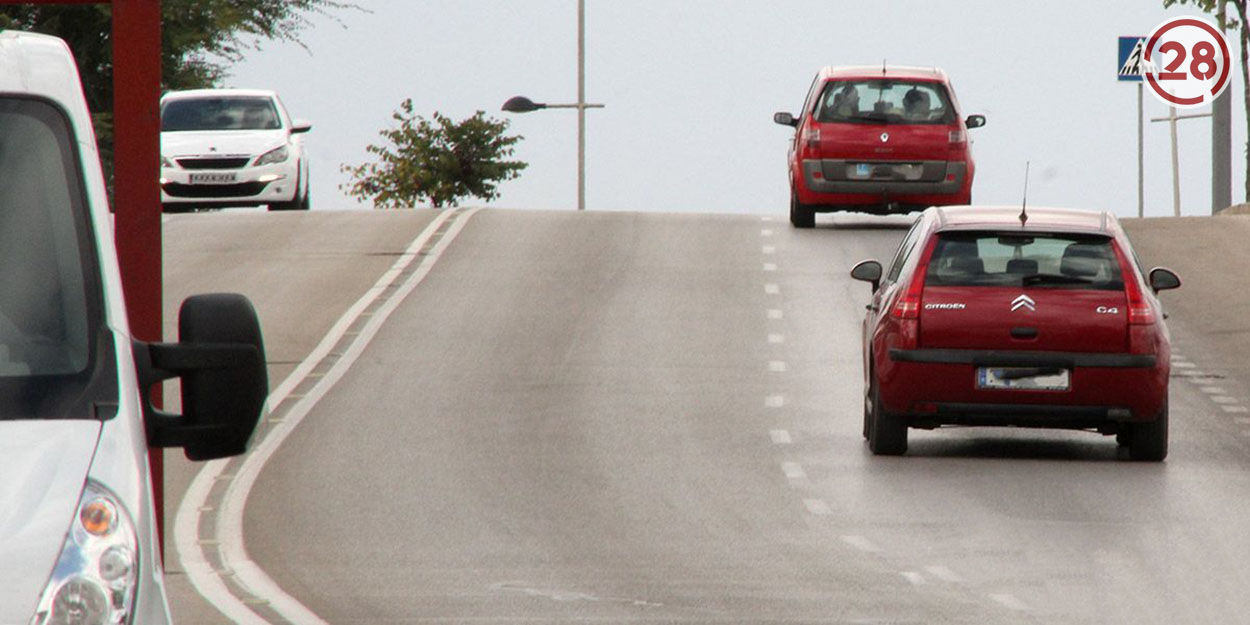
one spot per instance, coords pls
(608, 417)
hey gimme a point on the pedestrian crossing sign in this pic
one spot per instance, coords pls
(1130, 63)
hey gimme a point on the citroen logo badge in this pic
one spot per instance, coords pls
(885, 136)
(1024, 301)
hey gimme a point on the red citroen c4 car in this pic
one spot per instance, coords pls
(878, 140)
(999, 316)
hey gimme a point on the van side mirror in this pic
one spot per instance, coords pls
(220, 358)
(785, 119)
(868, 271)
(1162, 279)
(975, 121)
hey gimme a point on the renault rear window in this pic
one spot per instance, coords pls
(878, 100)
(1068, 261)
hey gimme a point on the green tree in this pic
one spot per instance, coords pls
(200, 39)
(1243, 36)
(440, 161)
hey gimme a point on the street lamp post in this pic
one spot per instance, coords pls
(522, 104)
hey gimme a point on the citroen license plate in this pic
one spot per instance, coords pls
(1023, 379)
(214, 178)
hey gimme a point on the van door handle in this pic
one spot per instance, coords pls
(1024, 333)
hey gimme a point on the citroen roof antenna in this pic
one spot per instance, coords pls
(1024, 215)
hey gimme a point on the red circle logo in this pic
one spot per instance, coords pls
(1186, 62)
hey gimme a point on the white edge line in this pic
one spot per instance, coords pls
(187, 521)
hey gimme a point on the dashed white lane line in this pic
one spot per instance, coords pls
(1223, 399)
(780, 437)
(766, 232)
(944, 573)
(915, 578)
(774, 401)
(774, 313)
(1235, 409)
(769, 249)
(817, 507)
(772, 289)
(861, 543)
(770, 266)
(1212, 390)
(1241, 420)
(777, 366)
(766, 218)
(1183, 364)
(776, 339)
(793, 470)
(1010, 602)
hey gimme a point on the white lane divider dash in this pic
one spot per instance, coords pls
(944, 573)
(1223, 399)
(793, 470)
(1183, 364)
(1212, 390)
(1235, 409)
(777, 366)
(1010, 602)
(774, 313)
(776, 339)
(915, 578)
(774, 401)
(780, 437)
(817, 507)
(861, 543)
(769, 249)
(772, 289)
(770, 266)
(766, 232)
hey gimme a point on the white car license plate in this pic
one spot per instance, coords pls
(1010, 378)
(214, 178)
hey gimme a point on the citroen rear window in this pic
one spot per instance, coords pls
(1045, 260)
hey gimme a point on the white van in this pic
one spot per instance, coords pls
(77, 525)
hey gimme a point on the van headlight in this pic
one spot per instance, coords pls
(276, 155)
(95, 577)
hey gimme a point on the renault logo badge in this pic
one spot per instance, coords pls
(885, 136)
(1024, 301)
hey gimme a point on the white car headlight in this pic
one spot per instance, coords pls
(95, 577)
(276, 155)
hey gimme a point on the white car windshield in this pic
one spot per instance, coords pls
(50, 303)
(220, 113)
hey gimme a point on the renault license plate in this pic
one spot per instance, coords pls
(1023, 378)
(214, 178)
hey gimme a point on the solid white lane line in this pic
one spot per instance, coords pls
(774, 401)
(915, 578)
(230, 521)
(944, 573)
(773, 313)
(793, 470)
(861, 543)
(771, 288)
(780, 437)
(1010, 602)
(817, 507)
(777, 366)
(776, 338)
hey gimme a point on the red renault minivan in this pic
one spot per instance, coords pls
(878, 140)
(998, 316)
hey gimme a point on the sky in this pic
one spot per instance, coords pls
(690, 87)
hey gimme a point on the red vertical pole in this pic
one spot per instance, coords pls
(136, 170)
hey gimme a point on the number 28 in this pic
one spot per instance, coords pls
(1202, 67)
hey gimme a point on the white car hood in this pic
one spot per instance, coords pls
(43, 468)
(220, 142)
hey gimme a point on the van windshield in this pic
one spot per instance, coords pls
(50, 307)
(878, 100)
(1032, 260)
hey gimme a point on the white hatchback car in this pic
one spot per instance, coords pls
(231, 147)
(77, 522)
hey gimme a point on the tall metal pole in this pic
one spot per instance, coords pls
(581, 105)
(1176, 167)
(1221, 143)
(1141, 159)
